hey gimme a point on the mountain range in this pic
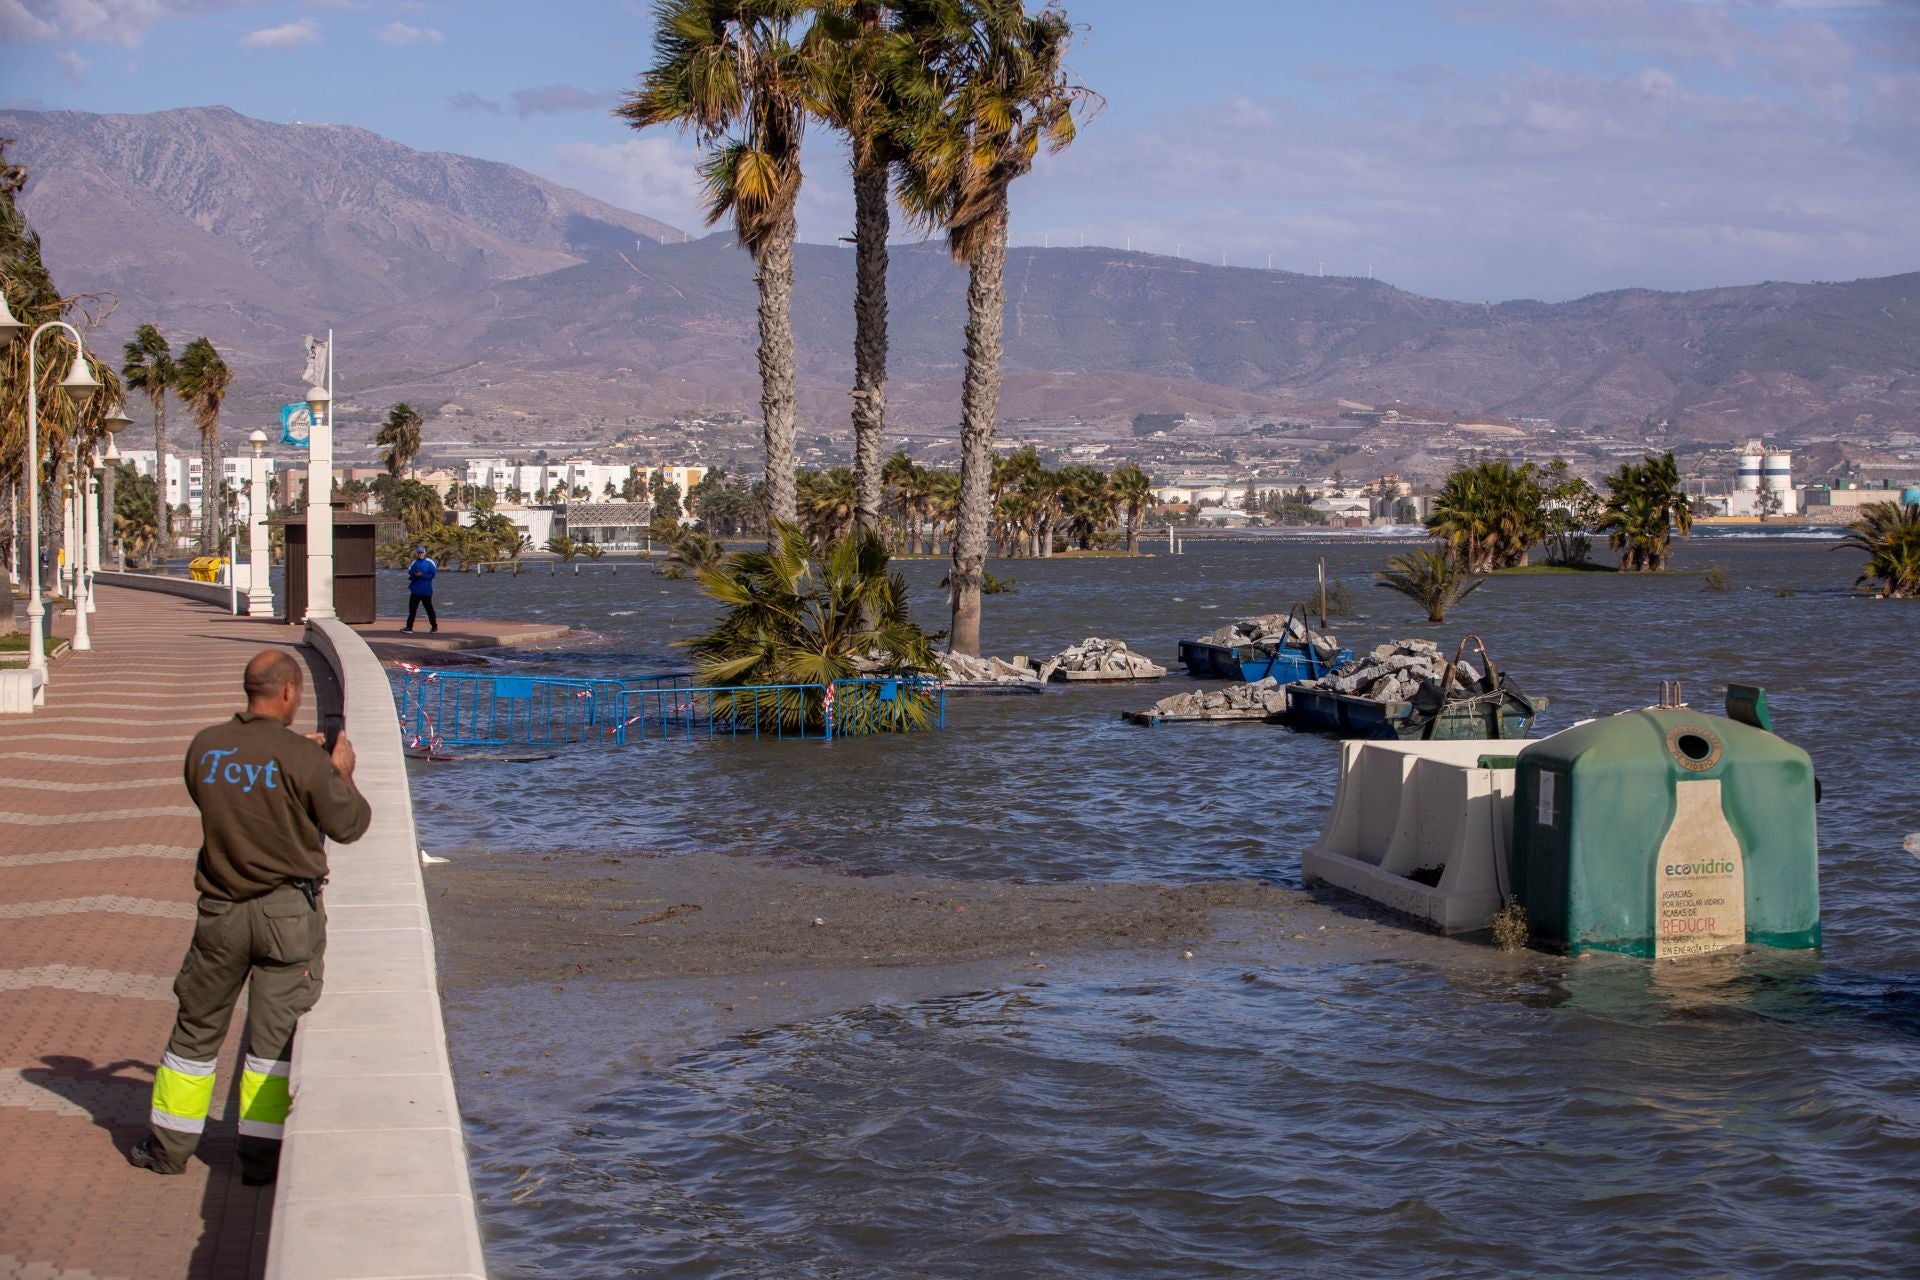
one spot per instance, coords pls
(481, 291)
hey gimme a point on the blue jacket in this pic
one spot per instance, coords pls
(420, 576)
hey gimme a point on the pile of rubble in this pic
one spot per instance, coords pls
(1394, 672)
(1273, 629)
(1097, 659)
(965, 672)
(1254, 701)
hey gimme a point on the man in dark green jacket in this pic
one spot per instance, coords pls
(267, 797)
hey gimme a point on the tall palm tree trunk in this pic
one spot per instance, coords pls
(979, 403)
(774, 258)
(162, 517)
(870, 227)
(210, 492)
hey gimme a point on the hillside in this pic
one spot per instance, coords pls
(464, 282)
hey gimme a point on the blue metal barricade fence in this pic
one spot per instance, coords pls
(465, 708)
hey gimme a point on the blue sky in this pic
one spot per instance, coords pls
(1463, 148)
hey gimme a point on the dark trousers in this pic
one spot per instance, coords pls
(413, 611)
(275, 945)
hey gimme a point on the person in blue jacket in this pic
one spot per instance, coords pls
(420, 589)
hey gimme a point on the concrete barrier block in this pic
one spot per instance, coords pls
(379, 1102)
(372, 1010)
(380, 960)
(386, 1162)
(21, 691)
(374, 1238)
(365, 1051)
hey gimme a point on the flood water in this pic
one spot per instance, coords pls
(1247, 1115)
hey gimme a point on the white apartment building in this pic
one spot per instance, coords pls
(528, 479)
(184, 478)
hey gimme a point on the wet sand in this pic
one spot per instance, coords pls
(666, 955)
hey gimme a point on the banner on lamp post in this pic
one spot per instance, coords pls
(296, 425)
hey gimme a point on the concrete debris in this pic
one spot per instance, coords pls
(1396, 671)
(1272, 630)
(1097, 659)
(1253, 701)
(1091, 659)
(959, 669)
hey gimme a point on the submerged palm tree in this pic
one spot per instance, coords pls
(1491, 514)
(1132, 490)
(150, 368)
(1889, 532)
(730, 72)
(795, 620)
(1434, 580)
(399, 435)
(995, 89)
(1645, 505)
(202, 381)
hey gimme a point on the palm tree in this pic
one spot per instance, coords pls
(1889, 532)
(906, 481)
(729, 71)
(943, 508)
(399, 435)
(793, 620)
(150, 368)
(995, 89)
(1435, 580)
(1490, 514)
(849, 48)
(1645, 504)
(202, 381)
(1086, 502)
(1133, 490)
(828, 504)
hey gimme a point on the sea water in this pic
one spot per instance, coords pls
(1457, 1113)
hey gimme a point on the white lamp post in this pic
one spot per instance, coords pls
(259, 591)
(320, 497)
(110, 466)
(80, 385)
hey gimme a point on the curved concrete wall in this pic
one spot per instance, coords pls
(373, 1179)
(211, 592)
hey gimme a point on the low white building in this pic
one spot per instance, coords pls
(184, 479)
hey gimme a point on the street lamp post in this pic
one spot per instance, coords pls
(109, 475)
(320, 498)
(259, 590)
(79, 384)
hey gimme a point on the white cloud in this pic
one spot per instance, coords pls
(117, 22)
(553, 99)
(76, 66)
(289, 35)
(654, 175)
(399, 33)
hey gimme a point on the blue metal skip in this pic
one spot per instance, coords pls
(466, 708)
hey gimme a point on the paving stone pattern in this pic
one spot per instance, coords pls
(97, 840)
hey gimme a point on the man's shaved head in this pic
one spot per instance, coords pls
(269, 672)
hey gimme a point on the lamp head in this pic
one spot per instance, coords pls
(317, 401)
(10, 327)
(116, 420)
(258, 440)
(80, 384)
(113, 451)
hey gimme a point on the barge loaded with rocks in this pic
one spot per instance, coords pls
(1393, 692)
(1277, 646)
(1407, 690)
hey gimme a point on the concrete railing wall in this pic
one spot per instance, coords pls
(373, 1178)
(211, 592)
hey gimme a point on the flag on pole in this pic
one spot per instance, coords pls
(316, 371)
(296, 424)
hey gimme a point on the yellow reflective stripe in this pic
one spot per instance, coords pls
(264, 1098)
(183, 1091)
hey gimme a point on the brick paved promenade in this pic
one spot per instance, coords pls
(97, 839)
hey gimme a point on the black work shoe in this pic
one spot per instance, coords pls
(143, 1156)
(406, 631)
(248, 1178)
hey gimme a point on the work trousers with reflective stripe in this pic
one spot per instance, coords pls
(279, 941)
